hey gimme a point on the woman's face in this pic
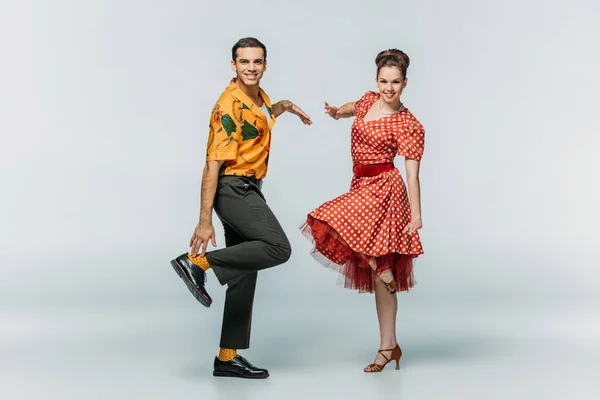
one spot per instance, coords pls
(390, 83)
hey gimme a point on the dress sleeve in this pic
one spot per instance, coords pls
(361, 107)
(411, 140)
(223, 136)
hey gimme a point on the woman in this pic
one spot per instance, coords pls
(370, 233)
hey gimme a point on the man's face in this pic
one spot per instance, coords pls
(249, 65)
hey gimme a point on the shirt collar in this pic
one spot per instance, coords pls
(239, 94)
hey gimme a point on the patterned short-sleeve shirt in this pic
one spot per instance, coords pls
(240, 133)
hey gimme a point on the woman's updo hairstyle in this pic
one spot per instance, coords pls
(392, 58)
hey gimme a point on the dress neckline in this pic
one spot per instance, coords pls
(377, 97)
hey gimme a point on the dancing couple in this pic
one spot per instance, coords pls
(369, 234)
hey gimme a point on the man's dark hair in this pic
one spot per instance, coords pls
(247, 42)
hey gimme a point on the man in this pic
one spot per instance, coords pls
(236, 162)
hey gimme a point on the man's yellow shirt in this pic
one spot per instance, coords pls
(240, 133)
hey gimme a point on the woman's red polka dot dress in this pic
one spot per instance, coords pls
(368, 221)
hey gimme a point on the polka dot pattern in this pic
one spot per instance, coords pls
(227, 354)
(371, 216)
(200, 261)
(380, 140)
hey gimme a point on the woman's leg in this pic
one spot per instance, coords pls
(387, 308)
(386, 277)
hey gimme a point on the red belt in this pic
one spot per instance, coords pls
(362, 170)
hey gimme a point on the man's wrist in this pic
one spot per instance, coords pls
(205, 220)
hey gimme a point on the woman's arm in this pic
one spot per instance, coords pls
(414, 195)
(345, 111)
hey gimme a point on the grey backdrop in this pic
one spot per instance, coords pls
(104, 108)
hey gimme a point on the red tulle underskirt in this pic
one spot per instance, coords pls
(333, 251)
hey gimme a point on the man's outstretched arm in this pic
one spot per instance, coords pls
(285, 105)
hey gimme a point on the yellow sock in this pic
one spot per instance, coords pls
(199, 261)
(227, 354)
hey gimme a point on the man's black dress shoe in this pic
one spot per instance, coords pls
(239, 367)
(194, 277)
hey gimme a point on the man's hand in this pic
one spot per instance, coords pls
(199, 241)
(294, 109)
(290, 107)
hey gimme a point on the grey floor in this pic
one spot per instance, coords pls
(145, 337)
